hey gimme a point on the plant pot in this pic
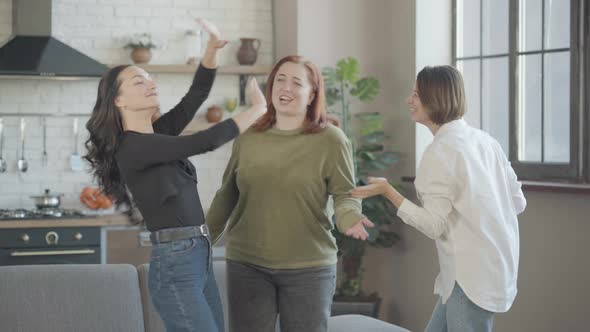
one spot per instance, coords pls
(141, 55)
(351, 266)
(214, 114)
(248, 52)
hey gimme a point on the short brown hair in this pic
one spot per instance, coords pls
(441, 91)
(315, 119)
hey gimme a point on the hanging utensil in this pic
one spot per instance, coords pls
(22, 163)
(75, 159)
(2, 161)
(44, 155)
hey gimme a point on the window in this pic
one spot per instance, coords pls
(520, 60)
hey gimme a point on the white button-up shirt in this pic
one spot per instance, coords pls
(470, 201)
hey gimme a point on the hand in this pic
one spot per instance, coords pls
(257, 109)
(254, 94)
(358, 231)
(376, 186)
(214, 36)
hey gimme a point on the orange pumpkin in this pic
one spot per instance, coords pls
(87, 198)
(103, 201)
(94, 199)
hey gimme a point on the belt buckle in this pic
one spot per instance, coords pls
(203, 229)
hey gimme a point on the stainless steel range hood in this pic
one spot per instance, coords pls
(33, 52)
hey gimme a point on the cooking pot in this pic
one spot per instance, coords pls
(49, 200)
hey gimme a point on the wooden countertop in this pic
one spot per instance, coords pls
(98, 221)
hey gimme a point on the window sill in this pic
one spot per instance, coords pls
(538, 186)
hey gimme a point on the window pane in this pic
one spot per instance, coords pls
(495, 27)
(495, 119)
(557, 107)
(530, 107)
(471, 74)
(468, 28)
(557, 23)
(531, 12)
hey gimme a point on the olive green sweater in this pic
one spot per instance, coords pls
(275, 195)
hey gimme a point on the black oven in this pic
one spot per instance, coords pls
(59, 245)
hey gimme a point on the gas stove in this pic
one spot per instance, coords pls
(49, 213)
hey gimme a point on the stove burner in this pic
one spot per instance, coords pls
(13, 214)
(51, 212)
(47, 213)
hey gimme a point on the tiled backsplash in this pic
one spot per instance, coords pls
(97, 28)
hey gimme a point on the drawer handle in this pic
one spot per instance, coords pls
(52, 253)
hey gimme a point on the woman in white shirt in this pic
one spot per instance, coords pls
(470, 201)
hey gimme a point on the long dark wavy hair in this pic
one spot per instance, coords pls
(105, 127)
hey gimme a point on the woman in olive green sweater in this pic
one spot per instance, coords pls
(280, 251)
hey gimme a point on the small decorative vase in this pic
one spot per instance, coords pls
(214, 114)
(248, 51)
(141, 55)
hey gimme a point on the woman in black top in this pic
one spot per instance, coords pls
(133, 150)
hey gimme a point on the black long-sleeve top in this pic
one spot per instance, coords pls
(155, 167)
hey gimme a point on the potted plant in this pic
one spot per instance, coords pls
(141, 46)
(343, 85)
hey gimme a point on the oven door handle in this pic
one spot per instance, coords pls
(52, 253)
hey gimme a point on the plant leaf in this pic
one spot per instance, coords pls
(366, 156)
(330, 77)
(347, 70)
(366, 89)
(333, 96)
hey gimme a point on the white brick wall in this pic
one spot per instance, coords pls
(99, 28)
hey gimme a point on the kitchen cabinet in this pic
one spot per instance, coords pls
(126, 245)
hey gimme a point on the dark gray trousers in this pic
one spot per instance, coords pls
(301, 297)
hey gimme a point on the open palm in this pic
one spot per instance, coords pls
(214, 34)
(358, 231)
(255, 96)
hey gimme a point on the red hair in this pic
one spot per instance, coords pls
(315, 117)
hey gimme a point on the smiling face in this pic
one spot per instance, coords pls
(292, 91)
(137, 91)
(418, 111)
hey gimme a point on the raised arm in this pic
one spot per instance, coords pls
(145, 150)
(173, 122)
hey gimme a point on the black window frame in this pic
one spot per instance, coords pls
(577, 170)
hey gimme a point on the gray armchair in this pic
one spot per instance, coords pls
(102, 298)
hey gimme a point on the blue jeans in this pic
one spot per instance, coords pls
(182, 286)
(302, 298)
(459, 314)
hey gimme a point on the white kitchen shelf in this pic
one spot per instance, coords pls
(242, 71)
(222, 70)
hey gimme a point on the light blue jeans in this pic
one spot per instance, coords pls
(459, 314)
(182, 286)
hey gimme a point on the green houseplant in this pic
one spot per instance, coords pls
(343, 86)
